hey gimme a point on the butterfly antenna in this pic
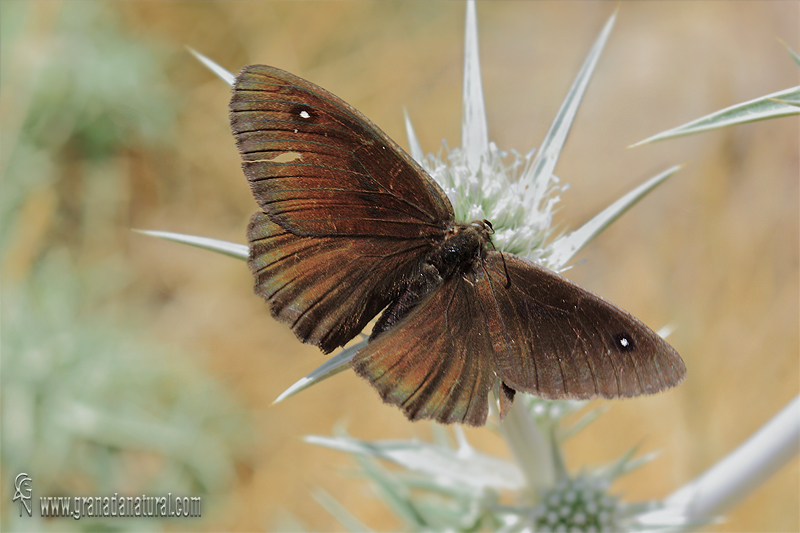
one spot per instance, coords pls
(503, 257)
(505, 269)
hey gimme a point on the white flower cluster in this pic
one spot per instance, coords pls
(500, 190)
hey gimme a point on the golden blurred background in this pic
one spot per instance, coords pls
(109, 124)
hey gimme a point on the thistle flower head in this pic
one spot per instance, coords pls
(458, 489)
(500, 190)
(579, 504)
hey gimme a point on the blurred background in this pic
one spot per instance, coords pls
(134, 365)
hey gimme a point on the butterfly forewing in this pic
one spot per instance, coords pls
(555, 339)
(319, 167)
(347, 214)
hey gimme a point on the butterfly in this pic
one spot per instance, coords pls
(351, 227)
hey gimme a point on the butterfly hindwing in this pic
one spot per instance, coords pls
(437, 361)
(326, 288)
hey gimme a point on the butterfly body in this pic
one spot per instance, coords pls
(351, 227)
(462, 246)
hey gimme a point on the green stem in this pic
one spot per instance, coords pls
(530, 446)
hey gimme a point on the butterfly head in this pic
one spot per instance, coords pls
(484, 230)
(484, 225)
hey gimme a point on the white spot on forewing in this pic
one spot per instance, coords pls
(304, 114)
(285, 157)
(288, 157)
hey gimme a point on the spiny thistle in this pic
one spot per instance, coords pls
(441, 487)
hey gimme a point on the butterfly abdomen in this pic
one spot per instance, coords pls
(426, 281)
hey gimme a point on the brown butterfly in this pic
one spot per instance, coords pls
(351, 225)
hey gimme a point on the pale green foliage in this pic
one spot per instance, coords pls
(775, 105)
(88, 407)
(439, 486)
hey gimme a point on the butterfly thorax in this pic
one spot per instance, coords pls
(463, 245)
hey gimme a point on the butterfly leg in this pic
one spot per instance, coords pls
(506, 395)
